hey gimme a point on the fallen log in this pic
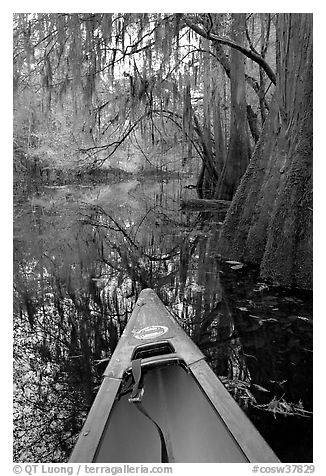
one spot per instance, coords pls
(202, 204)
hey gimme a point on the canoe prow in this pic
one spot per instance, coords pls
(184, 407)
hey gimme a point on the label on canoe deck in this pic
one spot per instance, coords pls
(150, 332)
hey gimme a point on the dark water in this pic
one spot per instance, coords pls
(81, 257)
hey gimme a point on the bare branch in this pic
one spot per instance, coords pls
(226, 41)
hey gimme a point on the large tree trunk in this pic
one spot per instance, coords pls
(270, 220)
(239, 146)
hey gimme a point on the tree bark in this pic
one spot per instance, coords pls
(270, 220)
(252, 82)
(238, 155)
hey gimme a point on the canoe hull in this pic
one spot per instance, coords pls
(200, 420)
(192, 429)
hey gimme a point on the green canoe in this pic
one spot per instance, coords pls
(160, 402)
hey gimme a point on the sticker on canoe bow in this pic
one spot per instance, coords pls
(150, 332)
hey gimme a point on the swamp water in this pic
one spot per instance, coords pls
(81, 256)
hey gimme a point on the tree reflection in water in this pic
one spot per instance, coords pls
(81, 257)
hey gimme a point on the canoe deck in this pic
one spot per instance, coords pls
(200, 420)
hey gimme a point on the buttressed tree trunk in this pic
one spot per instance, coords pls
(238, 155)
(270, 220)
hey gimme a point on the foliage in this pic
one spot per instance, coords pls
(242, 391)
(101, 79)
(281, 407)
(46, 410)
